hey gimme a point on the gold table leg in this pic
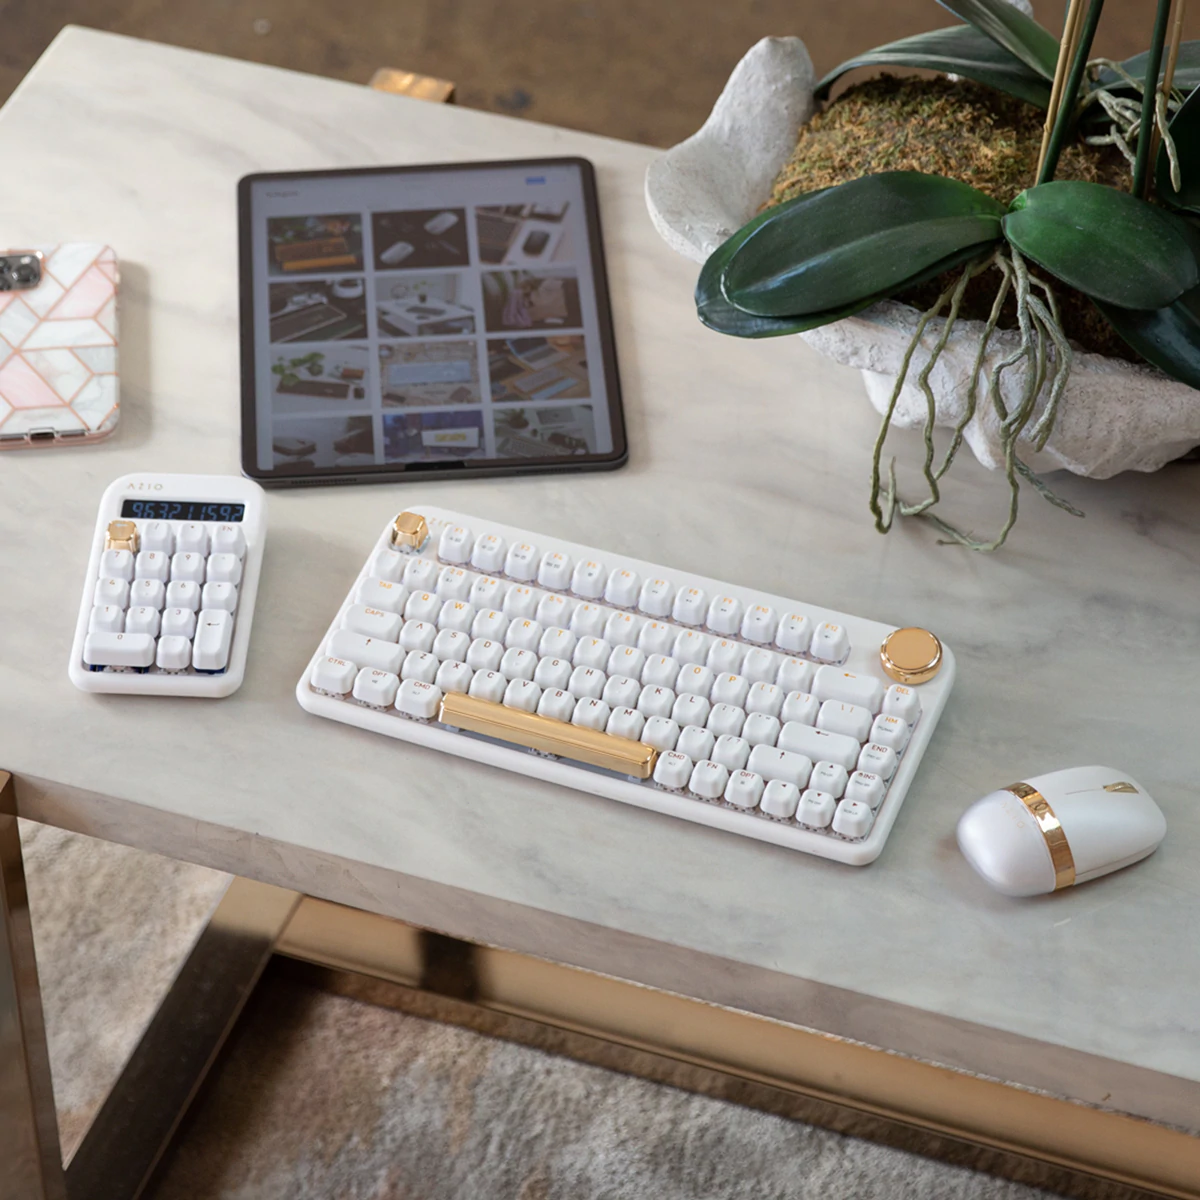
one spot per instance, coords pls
(30, 1158)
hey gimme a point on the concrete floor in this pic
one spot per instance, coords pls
(631, 69)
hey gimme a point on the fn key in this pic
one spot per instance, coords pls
(214, 634)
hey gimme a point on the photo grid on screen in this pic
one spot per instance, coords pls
(426, 317)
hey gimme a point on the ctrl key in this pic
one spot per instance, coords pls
(333, 676)
(102, 650)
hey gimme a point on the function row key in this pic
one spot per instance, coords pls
(191, 537)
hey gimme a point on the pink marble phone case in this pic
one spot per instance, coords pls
(58, 350)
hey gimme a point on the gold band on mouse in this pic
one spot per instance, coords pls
(1056, 840)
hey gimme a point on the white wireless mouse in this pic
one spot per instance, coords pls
(1056, 830)
(397, 252)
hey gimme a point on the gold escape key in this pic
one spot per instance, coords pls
(911, 655)
(409, 529)
(121, 535)
(536, 732)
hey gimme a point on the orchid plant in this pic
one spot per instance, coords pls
(827, 254)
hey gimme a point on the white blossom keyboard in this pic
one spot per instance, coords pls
(169, 595)
(686, 695)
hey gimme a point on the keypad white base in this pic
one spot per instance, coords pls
(215, 489)
(865, 637)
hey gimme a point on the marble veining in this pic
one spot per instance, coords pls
(1077, 644)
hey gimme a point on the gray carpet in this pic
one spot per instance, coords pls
(321, 1095)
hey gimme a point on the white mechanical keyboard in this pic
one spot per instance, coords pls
(169, 595)
(708, 701)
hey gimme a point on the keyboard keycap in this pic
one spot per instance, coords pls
(864, 690)
(695, 742)
(554, 609)
(386, 563)
(903, 702)
(106, 618)
(801, 707)
(223, 595)
(795, 634)
(417, 699)
(759, 624)
(661, 671)
(867, 787)
(373, 622)
(621, 692)
(761, 666)
(761, 729)
(214, 636)
(829, 777)
(487, 592)
(744, 789)
(524, 634)
(709, 780)
(771, 763)
(149, 593)
(192, 538)
(118, 650)
(878, 760)
(764, 698)
(488, 553)
(112, 591)
(816, 809)
(159, 536)
(830, 643)
(423, 606)
(489, 624)
(591, 713)
(592, 652)
(588, 579)
(181, 623)
(795, 675)
(725, 656)
(727, 718)
(819, 745)
(588, 620)
(418, 635)
(626, 723)
(690, 606)
(521, 562)
(695, 679)
(420, 666)
(731, 752)
(657, 637)
(656, 597)
(890, 731)
(556, 704)
(189, 567)
(850, 719)
(366, 651)
(458, 615)
(484, 654)
(779, 799)
(522, 694)
(724, 615)
(660, 732)
(730, 689)
(853, 819)
(455, 544)
(151, 564)
(521, 603)
(689, 710)
(691, 646)
(554, 571)
(656, 701)
(489, 686)
(518, 664)
(621, 588)
(673, 770)
(587, 682)
(142, 620)
(453, 583)
(224, 568)
(381, 593)
(552, 672)
(183, 593)
(452, 645)
(174, 653)
(420, 574)
(627, 661)
(229, 539)
(376, 688)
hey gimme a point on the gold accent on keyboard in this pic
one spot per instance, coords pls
(911, 655)
(1056, 840)
(122, 535)
(551, 737)
(409, 529)
(1120, 787)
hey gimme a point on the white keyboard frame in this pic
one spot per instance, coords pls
(865, 638)
(212, 489)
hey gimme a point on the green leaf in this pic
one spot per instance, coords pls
(959, 50)
(1187, 69)
(1185, 133)
(1108, 244)
(1168, 337)
(1011, 28)
(863, 238)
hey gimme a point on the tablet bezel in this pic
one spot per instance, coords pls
(456, 469)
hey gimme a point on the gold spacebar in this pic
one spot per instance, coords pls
(552, 737)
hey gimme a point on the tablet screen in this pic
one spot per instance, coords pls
(424, 320)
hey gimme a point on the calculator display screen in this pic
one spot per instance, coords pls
(182, 510)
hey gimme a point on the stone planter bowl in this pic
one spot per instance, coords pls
(1115, 416)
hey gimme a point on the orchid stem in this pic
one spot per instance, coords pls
(1066, 104)
(1141, 164)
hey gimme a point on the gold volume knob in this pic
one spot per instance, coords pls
(409, 529)
(122, 535)
(911, 655)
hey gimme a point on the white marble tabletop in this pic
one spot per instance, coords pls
(1079, 643)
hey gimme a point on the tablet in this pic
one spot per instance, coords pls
(420, 322)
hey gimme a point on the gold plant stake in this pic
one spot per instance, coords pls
(1066, 53)
(1169, 71)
